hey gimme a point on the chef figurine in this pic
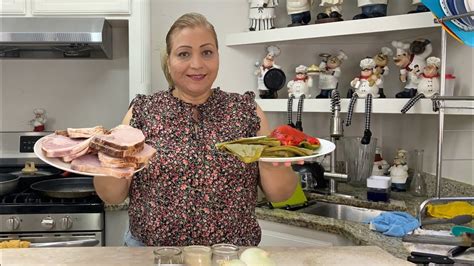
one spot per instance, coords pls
(332, 11)
(420, 7)
(298, 88)
(399, 171)
(429, 83)
(262, 14)
(381, 68)
(372, 8)
(366, 86)
(410, 58)
(39, 121)
(380, 167)
(329, 73)
(268, 63)
(299, 11)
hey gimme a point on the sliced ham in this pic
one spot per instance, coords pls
(85, 132)
(113, 152)
(119, 164)
(90, 164)
(60, 146)
(122, 137)
(69, 158)
(138, 158)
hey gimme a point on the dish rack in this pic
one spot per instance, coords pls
(439, 105)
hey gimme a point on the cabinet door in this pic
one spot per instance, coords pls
(284, 235)
(13, 7)
(81, 7)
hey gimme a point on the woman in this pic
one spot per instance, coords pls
(191, 193)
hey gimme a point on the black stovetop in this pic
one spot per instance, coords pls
(24, 200)
(31, 202)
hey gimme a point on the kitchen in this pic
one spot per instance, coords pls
(84, 93)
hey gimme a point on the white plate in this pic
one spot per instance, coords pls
(58, 163)
(326, 147)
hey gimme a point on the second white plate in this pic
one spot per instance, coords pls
(325, 148)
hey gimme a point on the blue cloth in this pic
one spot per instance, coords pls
(394, 223)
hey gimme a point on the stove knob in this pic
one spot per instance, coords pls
(13, 223)
(66, 222)
(47, 222)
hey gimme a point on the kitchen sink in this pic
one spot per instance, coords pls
(341, 212)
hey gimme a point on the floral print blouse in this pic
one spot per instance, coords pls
(191, 193)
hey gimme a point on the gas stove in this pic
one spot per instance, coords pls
(28, 215)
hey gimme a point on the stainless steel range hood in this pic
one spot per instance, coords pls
(55, 38)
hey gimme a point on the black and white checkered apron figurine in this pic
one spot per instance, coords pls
(366, 86)
(262, 14)
(429, 83)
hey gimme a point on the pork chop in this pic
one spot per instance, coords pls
(90, 163)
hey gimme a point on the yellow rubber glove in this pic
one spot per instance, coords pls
(450, 210)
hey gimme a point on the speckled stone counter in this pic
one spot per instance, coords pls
(359, 233)
(283, 256)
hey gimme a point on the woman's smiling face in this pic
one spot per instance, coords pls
(194, 60)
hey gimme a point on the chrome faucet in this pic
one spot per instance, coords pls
(336, 132)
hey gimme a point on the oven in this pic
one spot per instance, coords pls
(40, 219)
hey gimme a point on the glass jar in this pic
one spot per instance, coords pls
(418, 183)
(197, 256)
(167, 256)
(224, 252)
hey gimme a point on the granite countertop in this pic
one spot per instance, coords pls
(284, 256)
(358, 233)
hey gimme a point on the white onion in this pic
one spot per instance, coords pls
(256, 257)
(235, 262)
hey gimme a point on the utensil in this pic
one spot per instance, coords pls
(73, 243)
(75, 187)
(458, 230)
(456, 251)
(460, 219)
(274, 79)
(425, 258)
(30, 174)
(8, 183)
(466, 240)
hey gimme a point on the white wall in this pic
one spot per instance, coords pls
(392, 131)
(74, 92)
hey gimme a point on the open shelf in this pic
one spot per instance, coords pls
(380, 106)
(384, 28)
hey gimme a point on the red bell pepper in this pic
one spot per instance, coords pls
(290, 136)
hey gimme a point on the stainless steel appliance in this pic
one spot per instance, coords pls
(55, 37)
(27, 214)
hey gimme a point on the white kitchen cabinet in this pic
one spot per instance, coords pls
(116, 224)
(13, 7)
(81, 7)
(284, 235)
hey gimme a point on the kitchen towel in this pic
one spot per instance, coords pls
(394, 223)
(450, 210)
